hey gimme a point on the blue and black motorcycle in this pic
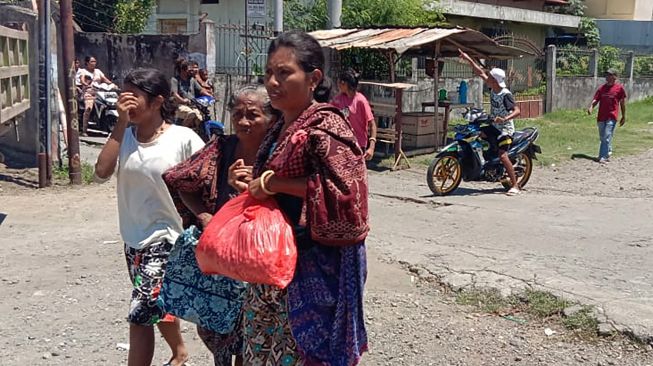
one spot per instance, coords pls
(471, 158)
(208, 128)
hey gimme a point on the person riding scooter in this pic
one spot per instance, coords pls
(84, 80)
(503, 110)
(185, 89)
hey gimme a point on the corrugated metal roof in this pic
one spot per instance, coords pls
(402, 40)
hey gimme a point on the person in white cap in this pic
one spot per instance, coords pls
(503, 110)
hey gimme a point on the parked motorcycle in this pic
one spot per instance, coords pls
(471, 158)
(105, 109)
(208, 128)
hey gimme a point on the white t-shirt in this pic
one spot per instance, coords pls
(145, 209)
(96, 75)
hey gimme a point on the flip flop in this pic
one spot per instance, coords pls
(513, 192)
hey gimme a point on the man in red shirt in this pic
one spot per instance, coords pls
(609, 97)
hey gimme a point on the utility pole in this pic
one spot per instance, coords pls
(45, 126)
(334, 10)
(74, 161)
(278, 17)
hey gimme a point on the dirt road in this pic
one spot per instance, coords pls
(65, 288)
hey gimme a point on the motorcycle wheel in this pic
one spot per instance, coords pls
(523, 169)
(444, 175)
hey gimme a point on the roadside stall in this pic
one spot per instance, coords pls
(418, 129)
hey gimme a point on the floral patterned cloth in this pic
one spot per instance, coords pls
(146, 269)
(212, 302)
(320, 315)
(206, 172)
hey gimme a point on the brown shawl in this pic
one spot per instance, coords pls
(321, 146)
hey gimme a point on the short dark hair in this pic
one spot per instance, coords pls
(154, 83)
(87, 59)
(349, 77)
(181, 64)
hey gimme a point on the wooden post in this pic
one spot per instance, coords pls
(74, 161)
(391, 61)
(399, 94)
(436, 75)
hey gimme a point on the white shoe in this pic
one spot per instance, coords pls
(513, 191)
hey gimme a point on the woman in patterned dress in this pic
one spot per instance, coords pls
(312, 165)
(203, 184)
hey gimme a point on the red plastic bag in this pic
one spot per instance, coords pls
(249, 240)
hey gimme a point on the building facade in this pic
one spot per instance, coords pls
(526, 23)
(621, 9)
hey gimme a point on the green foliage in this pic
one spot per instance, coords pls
(61, 173)
(538, 90)
(95, 15)
(588, 27)
(643, 66)
(544, 304)
(572, 61)
(575, 61)
(583, 322)
(405, 13)
(299, 15)
(610, 58)
(132, 15)
(362, 13)
(121, 16)
(573, 7)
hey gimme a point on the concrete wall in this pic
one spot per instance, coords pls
(507, 13)
(621, 9)
(117, 54)
(626, 34)
(577, 92)
(24, 146)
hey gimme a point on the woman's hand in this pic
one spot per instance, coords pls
(203, 219)
(240, 175)
(126, 102)
(369, 153)
(499, 119)
(256, 190)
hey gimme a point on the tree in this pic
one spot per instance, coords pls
(120, 16)
(587, 26)
(95, 15)
(300, 15)
(310, 16)
(132, 15)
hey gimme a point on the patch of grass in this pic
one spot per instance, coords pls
(567, 133)
(583, 322)
(485, 300)
(544, 304)
(61, 173)
(538, 304)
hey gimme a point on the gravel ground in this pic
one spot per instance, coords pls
(64, 288)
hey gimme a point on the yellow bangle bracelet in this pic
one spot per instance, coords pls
(265, 176)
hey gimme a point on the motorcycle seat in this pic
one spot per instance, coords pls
(521, 135)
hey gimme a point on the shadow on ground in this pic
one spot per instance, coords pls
(27, 183)
(462, 191)
(583, 156)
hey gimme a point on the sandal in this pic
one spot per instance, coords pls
(513, 191)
